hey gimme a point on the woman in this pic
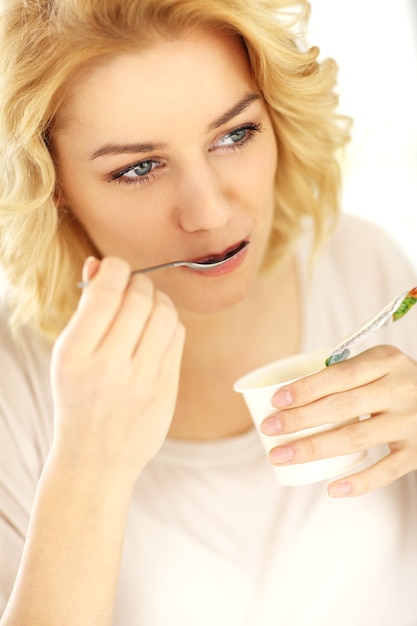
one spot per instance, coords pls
(132, 483)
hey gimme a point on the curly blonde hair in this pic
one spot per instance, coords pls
(45, 43)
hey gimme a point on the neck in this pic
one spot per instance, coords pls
(223, 346)
(216, 330)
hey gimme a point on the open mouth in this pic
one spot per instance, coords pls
(227, 254)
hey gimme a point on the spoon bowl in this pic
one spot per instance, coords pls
(195, 265)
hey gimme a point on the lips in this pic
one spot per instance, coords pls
(228, 252)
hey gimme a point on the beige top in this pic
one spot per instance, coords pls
(212, 539)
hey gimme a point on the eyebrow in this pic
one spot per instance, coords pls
(134, 148)
(237, 108)
(126, 148)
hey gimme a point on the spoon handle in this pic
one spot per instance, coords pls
(392, 312)
(145, 270)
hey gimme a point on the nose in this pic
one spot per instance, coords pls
(202, 202)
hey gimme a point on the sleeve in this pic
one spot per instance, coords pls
(25, 438)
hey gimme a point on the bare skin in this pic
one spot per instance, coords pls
(206, 386)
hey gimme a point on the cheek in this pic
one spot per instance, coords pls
(120, 224)
(259, 183)
(260, 169)
(100, 207)
(269, 160)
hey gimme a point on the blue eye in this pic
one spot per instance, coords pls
(141, 169)
(239, 136)
(139, 173)
(235, 137)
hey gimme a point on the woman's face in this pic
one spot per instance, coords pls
(170, 154)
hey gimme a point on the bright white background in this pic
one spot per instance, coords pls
(375, 45)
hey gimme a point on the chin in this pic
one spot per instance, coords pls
(211, 301)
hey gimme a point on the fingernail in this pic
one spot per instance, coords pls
(340, 489)
(271, 426)
(282, 398)
(281, 455)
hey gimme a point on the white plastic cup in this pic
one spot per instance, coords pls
(259, 386)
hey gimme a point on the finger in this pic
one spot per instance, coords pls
(98, 305)
(374, 397)
(165, 388)
(383, 473)
(127, 327)
(354, 372)
(171, 364)
(353, 437)
(156, 338)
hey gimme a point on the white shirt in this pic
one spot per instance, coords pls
(212, 539)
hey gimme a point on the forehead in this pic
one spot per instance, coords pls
(198, 73)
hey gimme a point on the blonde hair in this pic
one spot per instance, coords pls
(47, 42)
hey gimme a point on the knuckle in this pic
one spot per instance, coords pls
(163, 298)
(358, 435)
(362, 483)
(142, 283)
(304, 388)
(293, 419)
(112, 277)
(402, 459)
(389, 352)
(390, 469)
(141, 293)
(310, 447)
(339, 405)
(115, 265)
(347, 372)
(383, 473)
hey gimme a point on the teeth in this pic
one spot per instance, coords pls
(236, 250)
(217, 259)
(213, 259)
(222, 257)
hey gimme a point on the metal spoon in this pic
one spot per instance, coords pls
(392, 312)
(200, 267)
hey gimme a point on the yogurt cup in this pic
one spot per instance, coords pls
(258, 387)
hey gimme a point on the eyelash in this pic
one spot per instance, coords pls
(120, 177)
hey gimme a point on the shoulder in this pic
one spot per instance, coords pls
(355, 235)
(356, 273)
(24, 354)
(365, 259)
